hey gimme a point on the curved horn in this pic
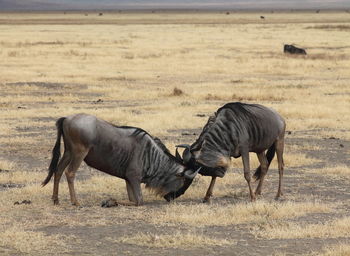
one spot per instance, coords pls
(177, 155)
(186, 155)
(192, 175)
(183, 146)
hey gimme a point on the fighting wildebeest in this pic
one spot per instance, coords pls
(233, 131)
(288, 48)
(126, 152)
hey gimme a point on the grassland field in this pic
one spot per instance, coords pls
(167, 72)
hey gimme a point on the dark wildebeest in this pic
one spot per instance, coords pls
(126, 152)
(233, 131)
(288, 48)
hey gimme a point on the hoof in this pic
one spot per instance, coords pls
(279, 198)
(206, 201)
(257, 193)
(109, 203)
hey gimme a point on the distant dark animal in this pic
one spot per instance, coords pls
(233, 131)
(288, 48)
(262, 17)
(126, 152)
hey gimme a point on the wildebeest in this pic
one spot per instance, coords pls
(289, 48)
(126, 152)
(233, 131)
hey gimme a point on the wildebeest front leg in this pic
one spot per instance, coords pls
(264, 165)
(130, 192)
(134, 187)
(246, 167)
(210, 190)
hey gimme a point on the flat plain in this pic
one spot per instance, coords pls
(167, 72)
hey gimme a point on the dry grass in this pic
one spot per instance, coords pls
(203, 61)
(6, 165)
(336, 250)
(30, 242)
(337, 171)
(331, 229)
(258, 212)
(177, 240)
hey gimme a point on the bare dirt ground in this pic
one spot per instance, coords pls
(118, 73)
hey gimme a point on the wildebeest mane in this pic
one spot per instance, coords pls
(242, 113)
(159, 165)
(198, 143)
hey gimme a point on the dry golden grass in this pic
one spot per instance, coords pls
(177, 240)
(331, 229)
(202, 61)
(336, 250)
(6, 165)
(30, 242)
(258, 212)
(23, 177)
(337, 171)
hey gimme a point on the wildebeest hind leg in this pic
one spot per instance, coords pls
(279, 153)
(246, 167)
(210, 190)
(264, 166)
(77, 158)
(58, 174)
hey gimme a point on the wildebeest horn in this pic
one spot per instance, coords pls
(183, 146)
(186, 154)
(177, 155)
(192, 175)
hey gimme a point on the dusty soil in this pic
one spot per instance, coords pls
(297, 185)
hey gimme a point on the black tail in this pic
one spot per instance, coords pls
(269, 155)
(56, 151)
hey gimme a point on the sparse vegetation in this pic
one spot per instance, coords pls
(167, 74)
(177, 240)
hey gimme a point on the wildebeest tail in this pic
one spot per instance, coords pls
(269, 155)
(56, 151)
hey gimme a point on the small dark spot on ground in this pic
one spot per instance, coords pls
(22, 202)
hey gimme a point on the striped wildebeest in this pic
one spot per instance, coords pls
(233, 131)
(126, 152)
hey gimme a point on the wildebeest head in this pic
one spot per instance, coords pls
(188, 159)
